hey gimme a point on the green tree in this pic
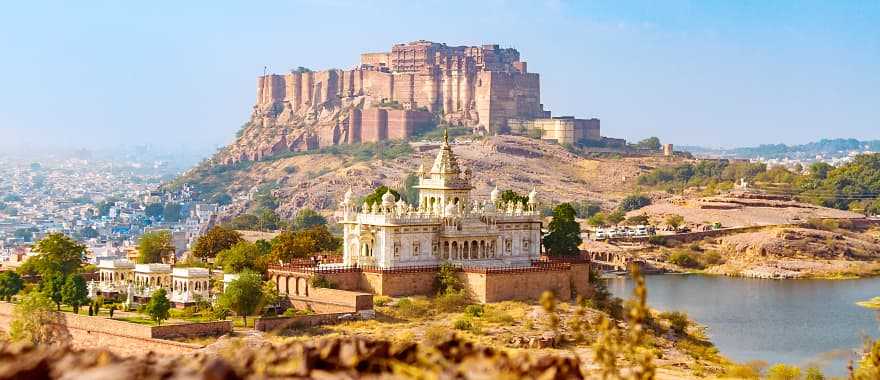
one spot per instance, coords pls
(271, 297)
(268, 220)
(57, 254)
(585, 209)
(564, 237)
(637, 220)
(306, 218)
(10, 285)
(214, 241)
(171, 212)
(652, 143)
(634, 202)
(74, 292)
(447, 281)
(158, 306)
(512, 196)
(264, 198)
(32, 320)
(246, 222)
(820, 170)
(302, 244)
(814, 373)
(598, 219)
(154, 210)
(675, 221)
(783, 372)
(154, 246)
(52, 286)
(376, 196)
(244, 295)
(616, 217)
(242, 256)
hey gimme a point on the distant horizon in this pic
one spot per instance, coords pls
(691, 73)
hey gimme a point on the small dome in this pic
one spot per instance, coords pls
(347, 197)
(388, 197)
(493, 196)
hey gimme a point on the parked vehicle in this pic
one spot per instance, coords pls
(600, 234)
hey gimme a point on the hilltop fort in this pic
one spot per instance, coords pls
(396, 94)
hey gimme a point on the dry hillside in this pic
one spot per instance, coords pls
(318, 180)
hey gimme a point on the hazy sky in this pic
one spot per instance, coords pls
(183, 73)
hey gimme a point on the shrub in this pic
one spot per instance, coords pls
(711, 258)
(495, 314)
(678, 321)
(463, 324)
(451, 301)
(685, 259)
(322, 282)
(475, 311)
(381, 300)
(435, 334)
(737, 371)
(413, 308)
(657, 240)
(814, 373)
(634, 202)
(823, 224)
(783, 372)
(447, 281)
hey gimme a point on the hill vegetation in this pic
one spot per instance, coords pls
(852, 186)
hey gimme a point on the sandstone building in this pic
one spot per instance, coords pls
(393, 95)
(396, 249)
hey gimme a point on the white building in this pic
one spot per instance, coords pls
(150, 277)
(190, 285)
(114, 275)
(446, 225)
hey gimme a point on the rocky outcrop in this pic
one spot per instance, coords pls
(336, 358)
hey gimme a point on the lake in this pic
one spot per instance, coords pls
(779, 321)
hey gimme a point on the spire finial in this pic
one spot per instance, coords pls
(446, 134)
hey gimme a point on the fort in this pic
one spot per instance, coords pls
(396, 94)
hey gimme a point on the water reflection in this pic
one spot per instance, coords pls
(793, 321)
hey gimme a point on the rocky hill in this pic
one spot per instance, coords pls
(318, 179)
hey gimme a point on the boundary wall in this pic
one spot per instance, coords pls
(123, 338)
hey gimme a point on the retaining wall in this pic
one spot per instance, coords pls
(123, 338)
(323, 300)
(280, 323)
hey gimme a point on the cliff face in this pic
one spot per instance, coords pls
(389, 96)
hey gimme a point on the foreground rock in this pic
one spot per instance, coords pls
(342, 358)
